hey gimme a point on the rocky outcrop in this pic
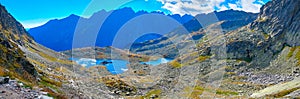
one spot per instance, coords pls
(280, 19)
(260, 42)
(268, 46)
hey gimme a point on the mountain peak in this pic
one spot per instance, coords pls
(73, 15)
(7, 22)
(12, 37)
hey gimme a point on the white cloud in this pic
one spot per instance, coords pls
(246, 5)
(192, 7)
(195, 7)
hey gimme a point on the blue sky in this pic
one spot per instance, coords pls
(32, 13)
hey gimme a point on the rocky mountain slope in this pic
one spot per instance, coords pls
(252, 64)
(259, 55)
(33, 67)
(13, 61)
(238, 63)
(259, 60)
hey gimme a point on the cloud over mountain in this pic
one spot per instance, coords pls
(194, 7)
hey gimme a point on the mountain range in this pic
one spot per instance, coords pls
(58, 34)
(246, 56)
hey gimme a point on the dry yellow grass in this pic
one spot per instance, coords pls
(152, 93)
(37, 63)
(175, 64)
(2, 71)
(203, 58)
(50, 58)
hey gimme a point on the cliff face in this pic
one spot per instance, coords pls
(13, 61)
(280, 19)
(276, 27)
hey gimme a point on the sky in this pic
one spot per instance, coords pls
(33, 13)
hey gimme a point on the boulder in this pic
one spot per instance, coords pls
(4, 80)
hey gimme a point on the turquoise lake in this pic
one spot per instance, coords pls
(115, 66)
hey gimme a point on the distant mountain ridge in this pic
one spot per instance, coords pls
(229, 20)
(58, 34)
(232, 18)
